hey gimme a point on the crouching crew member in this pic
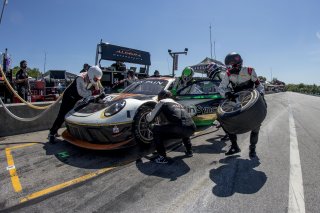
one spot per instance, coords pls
(240, 78)
(84, 86)
(177, 124)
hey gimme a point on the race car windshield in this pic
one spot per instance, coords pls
(146, 87)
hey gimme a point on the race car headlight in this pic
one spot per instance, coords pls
(114, 108)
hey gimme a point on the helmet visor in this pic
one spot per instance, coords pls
(233, 66)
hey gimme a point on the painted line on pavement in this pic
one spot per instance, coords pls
(65, 184)
(12, 168)
(22, 146)
(296, 202)
(13, 172)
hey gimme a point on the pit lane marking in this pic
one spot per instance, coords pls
(296, 203)
(22, 146)
(13, 172)
(65, 184)
(12, 168)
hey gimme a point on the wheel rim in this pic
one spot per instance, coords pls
(144, 129)
(242, 101)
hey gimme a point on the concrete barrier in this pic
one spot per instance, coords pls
(11, 126)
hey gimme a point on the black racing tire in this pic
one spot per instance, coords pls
(245, 116)
(141, 128)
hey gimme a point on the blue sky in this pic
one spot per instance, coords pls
(282, 36)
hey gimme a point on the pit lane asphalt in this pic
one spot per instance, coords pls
(207, 182)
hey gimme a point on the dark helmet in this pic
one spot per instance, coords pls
(156, 73)
(164, 94)
(233, 59)
(86, 66)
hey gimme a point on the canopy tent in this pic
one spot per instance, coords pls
(202, 66)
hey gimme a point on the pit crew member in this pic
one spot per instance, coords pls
(240, 78)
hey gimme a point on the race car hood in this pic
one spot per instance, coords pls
(89, 109)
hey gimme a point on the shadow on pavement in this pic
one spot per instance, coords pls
(173, 170)
(94, 159)
(237, 176)
(216, 146)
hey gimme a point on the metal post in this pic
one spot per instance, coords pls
(45, 61)
(173, 54)
(4, 4)
(210, 42)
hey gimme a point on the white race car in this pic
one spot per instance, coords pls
(119, 121)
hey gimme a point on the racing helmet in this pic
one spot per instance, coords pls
(164, 94)
(187, 74)
(233, 61)
(94, 75)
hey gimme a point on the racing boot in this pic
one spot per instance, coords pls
(234, 145)
(189, 153)
(225, 138)
(233, 150)
(161, 160)
(52, 138)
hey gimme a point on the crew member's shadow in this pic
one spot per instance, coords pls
(215, 147)
(173, 170)
(237, 175)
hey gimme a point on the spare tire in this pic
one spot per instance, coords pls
(243, 115)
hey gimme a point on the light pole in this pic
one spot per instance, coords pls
(4, 4)
(174, 56)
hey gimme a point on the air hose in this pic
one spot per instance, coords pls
(27, 119)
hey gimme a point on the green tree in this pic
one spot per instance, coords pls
(32, 72)
(303, 88)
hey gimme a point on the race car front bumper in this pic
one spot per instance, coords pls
(113, 136)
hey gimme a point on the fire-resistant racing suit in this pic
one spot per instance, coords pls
(75, 92)
(177, 124)
(246, 79)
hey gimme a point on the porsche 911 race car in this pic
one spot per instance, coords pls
(119, 120)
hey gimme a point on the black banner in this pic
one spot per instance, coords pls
(124, 54)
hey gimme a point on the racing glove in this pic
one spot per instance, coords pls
(101, 96)
(230, 96)
(88, 99)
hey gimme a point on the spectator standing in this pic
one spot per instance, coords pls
(22, 81)
(85, 68)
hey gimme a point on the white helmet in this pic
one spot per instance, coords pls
(94, 74)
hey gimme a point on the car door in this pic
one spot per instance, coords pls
(201, 99)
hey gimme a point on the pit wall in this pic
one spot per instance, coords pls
(10, 126)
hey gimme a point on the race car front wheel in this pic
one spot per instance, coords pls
(142, 130)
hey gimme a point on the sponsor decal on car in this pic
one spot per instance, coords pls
(115, 130)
